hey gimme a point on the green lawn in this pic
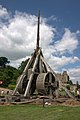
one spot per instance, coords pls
(35, 112)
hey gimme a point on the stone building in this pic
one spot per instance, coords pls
(62, 78)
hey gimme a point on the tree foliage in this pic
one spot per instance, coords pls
(70, 82)
(22, 66)
(3, 61)
(8, 75)
(77, 84)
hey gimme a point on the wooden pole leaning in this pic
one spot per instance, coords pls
(21, 77)
(47, 66)
(27, 91)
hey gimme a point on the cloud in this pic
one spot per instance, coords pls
(60, 62)
(5, 15)
(52, 18)
(68, 43)
(74, 74)
(16, 63)
(18, 37)
(3, 11)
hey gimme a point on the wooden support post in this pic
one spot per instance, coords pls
(21, 77)
(43, 102)
(40, 66)
(50, 81)
(47, 66)
(57, 93)
(31, 76)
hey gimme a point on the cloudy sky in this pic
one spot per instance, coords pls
(59, 32)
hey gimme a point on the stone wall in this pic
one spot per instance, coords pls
(62, 78)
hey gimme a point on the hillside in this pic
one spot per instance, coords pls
(8, 75)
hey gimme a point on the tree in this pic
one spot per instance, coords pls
(8, 75)
(22, 66)
(77, 84)
(3, 61)
(70, 82)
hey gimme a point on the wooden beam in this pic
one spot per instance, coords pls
(31, 76)
(47, 66)
(38, 37)
(22, 76)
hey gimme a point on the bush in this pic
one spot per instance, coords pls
(11, 87)
(68, 87)
(70, 82)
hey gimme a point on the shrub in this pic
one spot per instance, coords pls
(11, 87)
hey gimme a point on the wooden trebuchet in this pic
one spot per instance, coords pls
(37, 74)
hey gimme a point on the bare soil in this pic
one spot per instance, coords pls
(71, 102)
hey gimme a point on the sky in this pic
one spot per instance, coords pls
(59, 32)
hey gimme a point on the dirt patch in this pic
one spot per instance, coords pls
(71, 103)
(6, 104)
(5, 90)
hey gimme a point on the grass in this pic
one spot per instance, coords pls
(35, 112)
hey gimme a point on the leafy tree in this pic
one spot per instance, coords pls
(8, 75)
(22, 66)
(3, 61)
(70, 82)
(77, 84)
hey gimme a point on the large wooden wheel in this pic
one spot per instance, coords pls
(22, 86)
(45, 83)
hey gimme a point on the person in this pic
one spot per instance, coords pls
(2, 93)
